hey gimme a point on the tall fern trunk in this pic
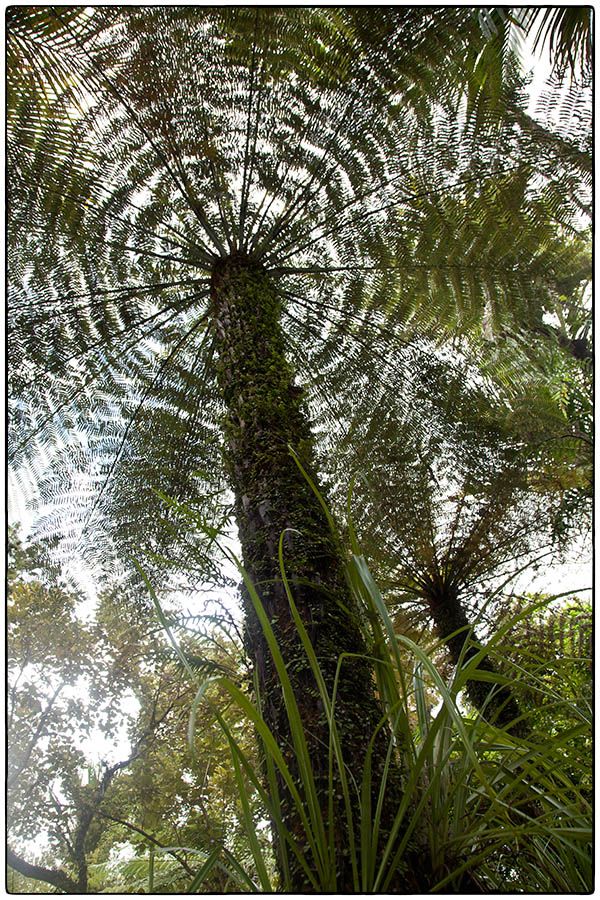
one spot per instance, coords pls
(449, 617)
(264, 418)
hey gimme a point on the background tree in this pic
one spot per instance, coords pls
(49, 656)
(74, 683)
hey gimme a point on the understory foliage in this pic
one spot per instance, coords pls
(188, 809)
(99, 767)
(272, 270)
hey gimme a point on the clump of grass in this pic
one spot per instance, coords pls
(489, 810)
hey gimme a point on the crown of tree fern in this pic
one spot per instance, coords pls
(170, 139)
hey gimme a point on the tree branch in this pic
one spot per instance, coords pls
(56, 877)
(20, 767)
(148, 837)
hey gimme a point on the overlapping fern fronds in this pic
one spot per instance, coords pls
(171, 137)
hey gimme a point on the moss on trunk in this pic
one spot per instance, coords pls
(265, 416)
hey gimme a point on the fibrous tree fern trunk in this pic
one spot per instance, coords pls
(272, 496)
(454, 628)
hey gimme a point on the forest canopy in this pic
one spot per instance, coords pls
(300, 372)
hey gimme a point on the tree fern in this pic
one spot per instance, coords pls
(215, 208)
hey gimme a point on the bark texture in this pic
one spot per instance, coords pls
(264, 416)
(55, 877)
